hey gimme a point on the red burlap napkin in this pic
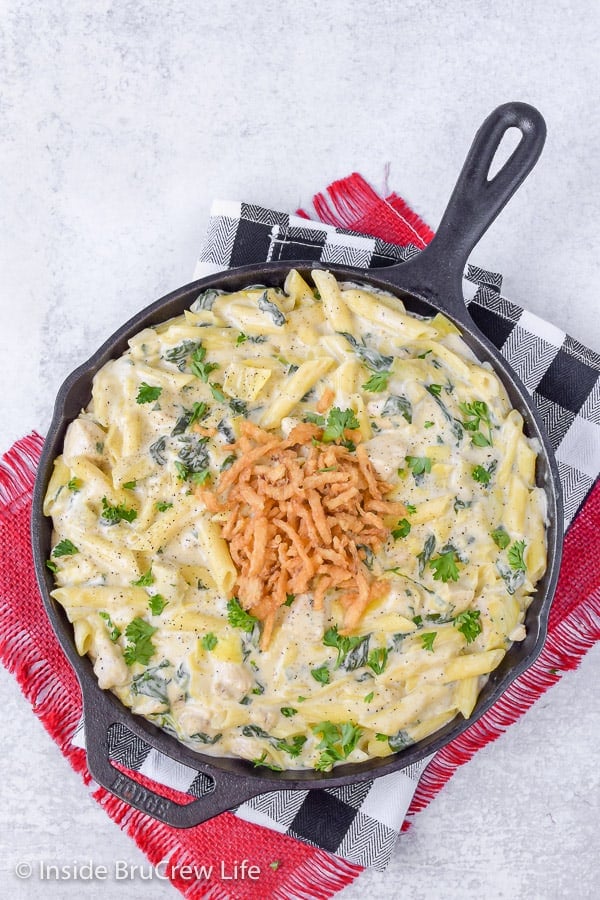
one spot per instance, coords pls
(288, 868)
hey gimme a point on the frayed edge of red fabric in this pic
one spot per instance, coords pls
(18, 468)
(54, 696)
(563, 651)
(317, 877)
(351, 203)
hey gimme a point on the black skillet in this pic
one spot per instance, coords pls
(427, 283)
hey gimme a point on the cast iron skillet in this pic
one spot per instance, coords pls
(426, 283)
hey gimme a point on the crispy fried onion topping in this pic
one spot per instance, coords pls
(303, 516)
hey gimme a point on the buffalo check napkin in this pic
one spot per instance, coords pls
(361, 822)
(316, 842)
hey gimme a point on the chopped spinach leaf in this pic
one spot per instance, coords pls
(113, 514)
(371, 358)
(267, 306)
(425, 555)
(180, 353)
(397, 405)
(157, 450)
(152, 683)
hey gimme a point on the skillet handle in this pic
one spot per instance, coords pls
(228, 789)
(475, 202)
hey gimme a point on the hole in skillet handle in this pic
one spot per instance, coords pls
(436, 273)
(223, 789)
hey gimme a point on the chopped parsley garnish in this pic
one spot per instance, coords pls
(217, 393)
(434, 389)
(289, 599)
(337, 742)
(74, 484)
(314, 419)
(515, 557)
(130, 485)
(113, 514)
(146, 580)
(444, 566)
(113, 632)
(476, 413)
(410, 509)
(162, 505)
(368, 697)
(65, 548)
(427, 639)
(275, 864)
(228, 462)
(428, 424)
(288, 711)
(322, 674)
(501, 537)
(238, 617)
(198, 367)
(338, 421)
(377, 660)
(262, 761)
(50, 564)
(401, 530)
(342, 643)
(482, 474)
(378, 382)
(209, 641)
(241, 338)
(140, 647)
(157, 603)
(419, 465)
(468, 624)
(294, 747)
(147, 393)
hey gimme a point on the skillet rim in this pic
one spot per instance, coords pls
(347, 773)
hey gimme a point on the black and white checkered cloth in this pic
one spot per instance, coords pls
(361, 822)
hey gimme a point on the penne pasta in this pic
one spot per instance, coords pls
(299, 527)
